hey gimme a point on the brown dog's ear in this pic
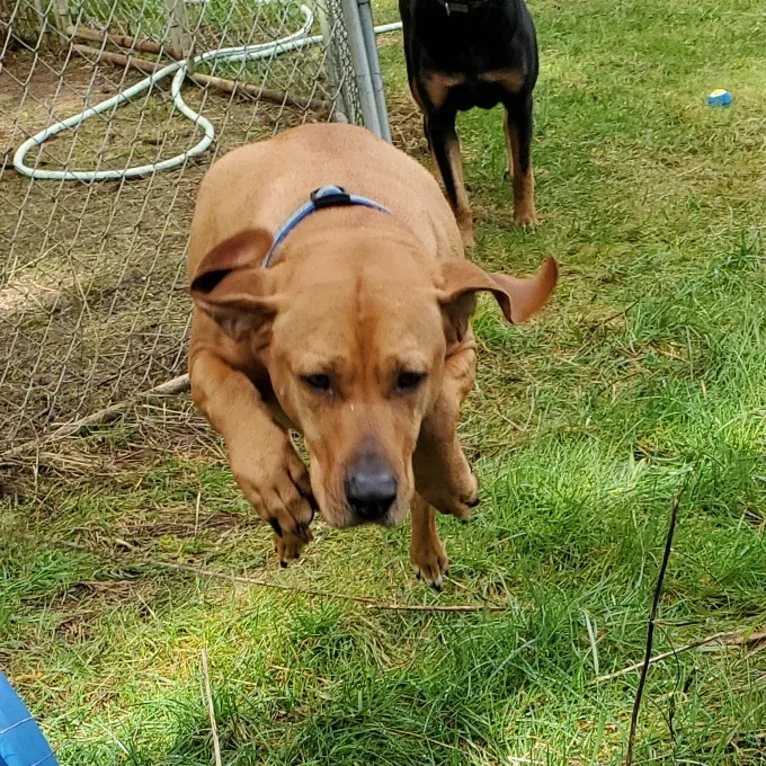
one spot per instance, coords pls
(518, 298)
(230, 286)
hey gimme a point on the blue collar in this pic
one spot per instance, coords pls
(325, 196)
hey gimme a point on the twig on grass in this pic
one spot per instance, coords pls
(365, 601)
(168, 388)
(211, 709)
(652, 623)
(612, 317)
(729, 638)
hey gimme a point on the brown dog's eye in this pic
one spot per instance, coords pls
(317, 382)
(409, 381)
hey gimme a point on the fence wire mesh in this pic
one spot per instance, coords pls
(92, 277)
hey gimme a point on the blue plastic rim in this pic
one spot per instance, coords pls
(21, 741)
(719, 98)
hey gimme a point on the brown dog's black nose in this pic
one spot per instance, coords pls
(370, 488)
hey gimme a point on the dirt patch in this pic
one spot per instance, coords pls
(34, 92)
(93, 303)
(406, 122)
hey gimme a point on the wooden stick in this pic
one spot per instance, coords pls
(220, 83)
(168, 388)
(256, 92)
(123, 41)
(737, 637)
(364, 601)
(118, 59)
(211, 709)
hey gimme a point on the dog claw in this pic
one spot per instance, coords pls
(288, 547)
(436, 583)
(527, 220)
(432, 571)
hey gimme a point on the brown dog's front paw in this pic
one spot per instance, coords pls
(430, 562)
(289, 545)
(281, 492)
(455, 501)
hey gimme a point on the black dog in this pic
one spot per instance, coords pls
(473, 53)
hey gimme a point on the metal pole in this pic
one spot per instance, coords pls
(368, 30)
(340, 109)
(361, 64)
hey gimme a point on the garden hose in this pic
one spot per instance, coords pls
(295, 41)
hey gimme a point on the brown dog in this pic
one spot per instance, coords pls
(357, 334)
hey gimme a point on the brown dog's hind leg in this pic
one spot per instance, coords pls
(518, 134)
(427, 553)
(442, 473)
(263, 460)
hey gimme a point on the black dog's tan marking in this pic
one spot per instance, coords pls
(477, 53)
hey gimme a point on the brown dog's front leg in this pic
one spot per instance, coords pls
(442, 473)
(427, 553)
(263, 460)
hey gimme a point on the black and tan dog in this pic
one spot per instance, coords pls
(466, 54)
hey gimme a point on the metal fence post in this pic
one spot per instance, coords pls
(368, 31)
(358, 49)
(343, 109)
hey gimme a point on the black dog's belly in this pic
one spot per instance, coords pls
(484, 95)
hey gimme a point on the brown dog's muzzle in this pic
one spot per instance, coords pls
(371, 488)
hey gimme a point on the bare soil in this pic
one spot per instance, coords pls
(92, 282)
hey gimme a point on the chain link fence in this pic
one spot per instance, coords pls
(93, 305)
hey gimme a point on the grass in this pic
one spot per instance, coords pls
(646, 372)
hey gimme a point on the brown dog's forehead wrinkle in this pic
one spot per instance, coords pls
(397, 329)
(359, 301)
(315, 334)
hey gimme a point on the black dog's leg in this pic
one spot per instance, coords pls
(434, 164)
(518, 133)
(445, 149)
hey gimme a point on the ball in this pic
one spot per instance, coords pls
(719, 97)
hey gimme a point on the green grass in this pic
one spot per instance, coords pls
(645, 373)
